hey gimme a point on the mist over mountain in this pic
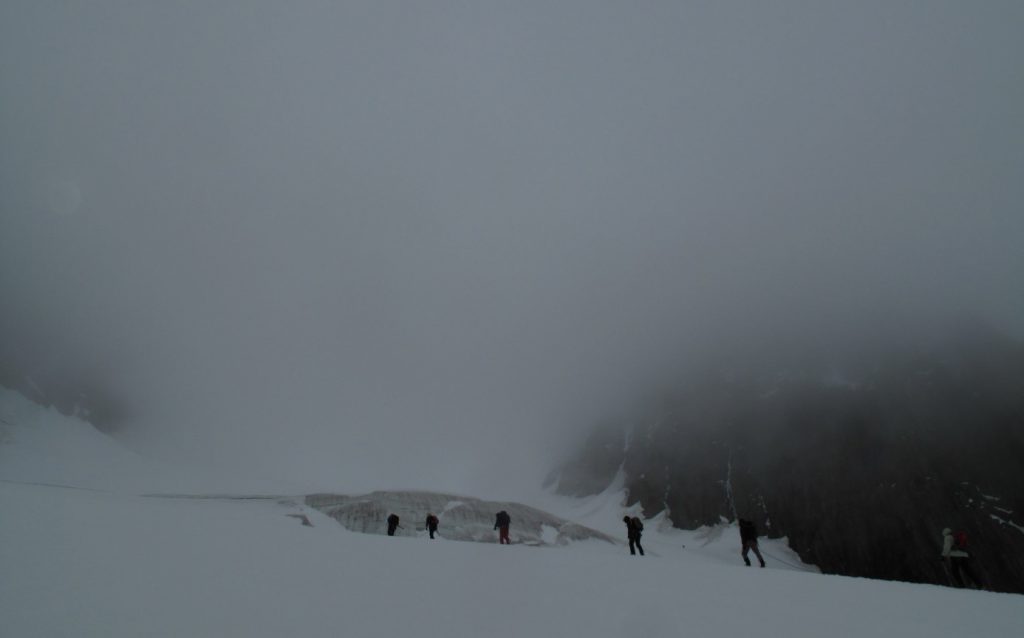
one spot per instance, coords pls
(397, 245)
(860, 461)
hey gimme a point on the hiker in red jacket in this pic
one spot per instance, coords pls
(501, 523)
(957, 559)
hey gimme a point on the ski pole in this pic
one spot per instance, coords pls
(782, 561)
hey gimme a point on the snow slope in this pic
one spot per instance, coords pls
(112, 562)
(40, 445)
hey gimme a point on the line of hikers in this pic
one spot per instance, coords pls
(955, 556)
(501, 523)
(748, 538)
(634, 532)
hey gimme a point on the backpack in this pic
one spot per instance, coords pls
(960, 541)
(747, 529)
(638, 524)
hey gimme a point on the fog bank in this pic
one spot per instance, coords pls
(379, 244)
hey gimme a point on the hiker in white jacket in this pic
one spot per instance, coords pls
(954, 553)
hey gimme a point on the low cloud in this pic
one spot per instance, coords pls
(387, 245)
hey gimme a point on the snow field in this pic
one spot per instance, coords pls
(103, 560)
(94, 564)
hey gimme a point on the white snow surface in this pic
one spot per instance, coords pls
(110, 561)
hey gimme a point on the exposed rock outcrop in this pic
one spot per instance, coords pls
(861, 470)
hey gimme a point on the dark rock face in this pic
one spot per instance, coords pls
(860, 471)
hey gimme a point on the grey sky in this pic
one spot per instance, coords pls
(307, 237)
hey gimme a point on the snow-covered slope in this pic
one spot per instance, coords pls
(114, 562)
(41, 445)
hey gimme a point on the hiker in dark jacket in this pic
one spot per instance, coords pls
(501, 523)
(392, 524)
(957, 559)
(634, 529)
(432, 524)
(748, 535)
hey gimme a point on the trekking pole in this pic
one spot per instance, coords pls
(947, 570)
(782, 561)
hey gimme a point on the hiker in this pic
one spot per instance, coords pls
(748, 535)
(392, 524)
(634, 529)
(954, 553)
(501, 523)
(432, 524)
